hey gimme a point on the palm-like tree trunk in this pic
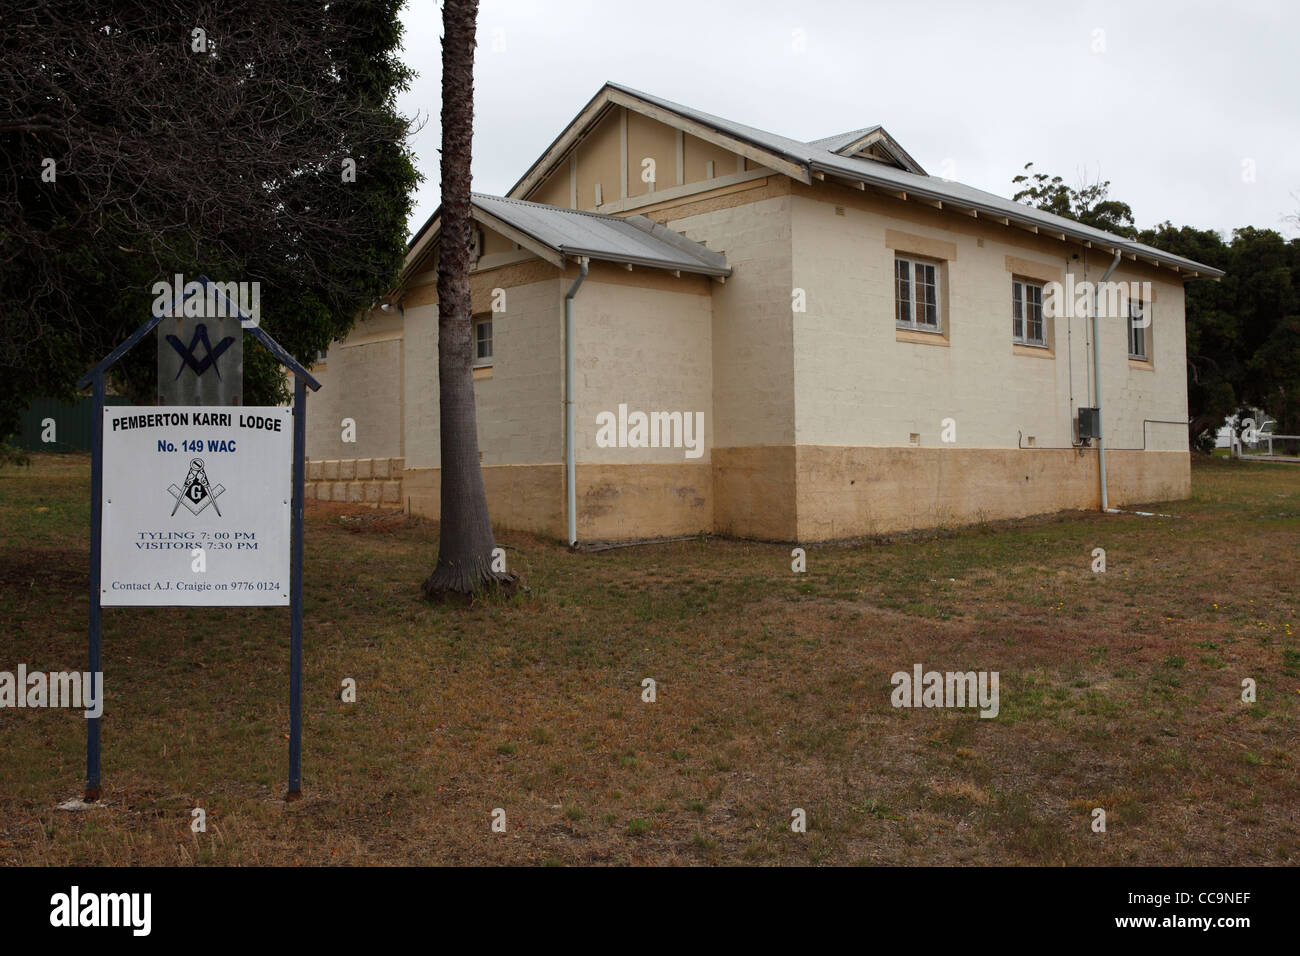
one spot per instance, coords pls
(465, 541)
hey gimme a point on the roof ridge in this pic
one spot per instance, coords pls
(542, 205)
(738, 127)
(851, 133)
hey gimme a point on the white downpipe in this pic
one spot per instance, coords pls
(1096, 379)
(570, 462)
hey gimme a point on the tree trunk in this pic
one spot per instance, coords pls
(465, 542)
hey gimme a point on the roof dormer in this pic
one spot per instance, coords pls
(871, 143)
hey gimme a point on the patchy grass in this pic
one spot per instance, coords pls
(1119, 690)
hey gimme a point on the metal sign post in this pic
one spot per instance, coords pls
(295, 590)
(178, 436)
(96, 524)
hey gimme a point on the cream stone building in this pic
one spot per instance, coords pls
(867, 348)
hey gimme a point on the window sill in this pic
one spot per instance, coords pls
(1144, 364)
(1033, 351)
(482, 372)
(920, 338)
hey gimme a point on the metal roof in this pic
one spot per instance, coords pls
(877, 137)
(791, 149)
(634, 240)
(839, 141)
(819, 159)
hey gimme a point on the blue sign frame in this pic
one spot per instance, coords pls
(302, 380)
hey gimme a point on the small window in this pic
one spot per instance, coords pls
(1027, 326)
(916, 295)
(1139, 323)
(483, 341)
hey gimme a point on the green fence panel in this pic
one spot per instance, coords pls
(67, 425)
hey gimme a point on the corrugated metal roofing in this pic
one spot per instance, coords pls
(635, 240)
(791, 149)
(839, 141)
(817, 157)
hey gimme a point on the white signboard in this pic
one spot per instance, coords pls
(196, 506)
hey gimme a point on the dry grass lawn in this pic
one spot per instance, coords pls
(1119, 690)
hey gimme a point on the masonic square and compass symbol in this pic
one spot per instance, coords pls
(209, 360)
(197, 493)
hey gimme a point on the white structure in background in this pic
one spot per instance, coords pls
(1253, 430)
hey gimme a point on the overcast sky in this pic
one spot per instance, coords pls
(1190, 109)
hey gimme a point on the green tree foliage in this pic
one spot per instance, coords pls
(173, 153)
(1088, 204)
(1242, 331)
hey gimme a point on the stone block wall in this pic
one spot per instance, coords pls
(368, 481)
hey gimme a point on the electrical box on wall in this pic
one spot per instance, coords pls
(1089, 423)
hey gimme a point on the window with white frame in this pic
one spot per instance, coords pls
(483, 341)
(1027, 326)
(1139, 323)
(916, 294)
